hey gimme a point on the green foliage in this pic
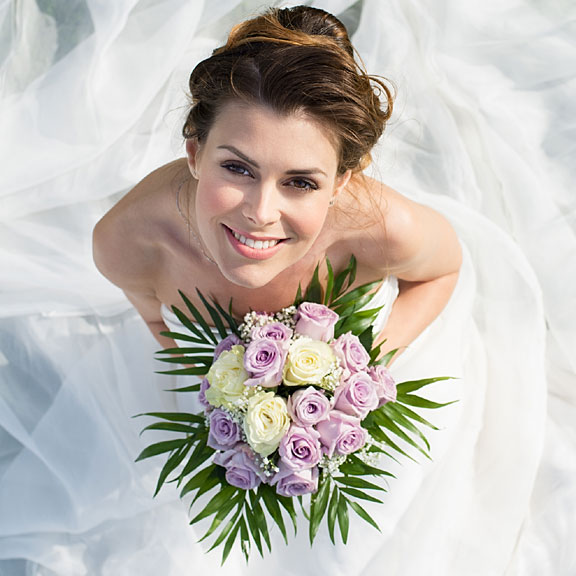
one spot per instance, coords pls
(234, 516)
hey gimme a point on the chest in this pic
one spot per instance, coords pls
(191, 274)
(185, 269)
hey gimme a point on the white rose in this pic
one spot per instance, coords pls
(266, 422)
(227, 377)
(308, 362)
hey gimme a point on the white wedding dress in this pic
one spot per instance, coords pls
(92, 98)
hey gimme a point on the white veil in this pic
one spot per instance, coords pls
(92, 95)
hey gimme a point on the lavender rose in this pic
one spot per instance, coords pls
(341, 434)
(315, 321)
(204, 385)
(241, 469)
(385, 385)
(226, 344)
(295, 482)
(357, 396)
(300, 448)
(224, 430)
(273, 331)
(264, 361)
(353, 356)
(308, 406)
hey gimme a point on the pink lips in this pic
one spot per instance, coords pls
(250, 252)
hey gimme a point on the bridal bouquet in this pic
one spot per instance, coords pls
(297, 407)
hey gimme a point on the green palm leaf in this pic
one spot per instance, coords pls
(175, 416)
(213, 480)
(229, 542)
(171, 464)
(170, 427)
(344, 279)
(197, 480)
(187, 323)
(215, 503)
(363, 514)
(214, 314)
(232, 322)
(314, 291)
(329, 284)
(271, 503)
(356, 482)
(160, 448)
(355, 299)
(208, 333)
(260, 518)
(188, 350)
(413, 385)
(184, 337)
(359, 494)
(190, 371)
(221, 515)
(332, 513)
(288, 505)
(343, 521)
(254, 529)
(419, 402)
(318, 505)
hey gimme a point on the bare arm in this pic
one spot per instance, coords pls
(424, 253)
(149, 308)
(418, 305)
(120, 257)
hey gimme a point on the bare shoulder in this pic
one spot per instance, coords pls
(400, 236)
(128, 240)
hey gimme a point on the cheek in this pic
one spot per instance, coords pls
(213, 200)
(309, 219)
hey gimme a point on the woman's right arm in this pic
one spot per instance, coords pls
(122, 260)
(149, 308)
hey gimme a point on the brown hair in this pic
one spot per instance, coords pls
(295, 60)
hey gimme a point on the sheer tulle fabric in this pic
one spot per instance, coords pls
(92, 98)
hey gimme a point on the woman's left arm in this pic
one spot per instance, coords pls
(424, 253)
(418, 304)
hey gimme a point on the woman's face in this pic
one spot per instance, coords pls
(265, 182)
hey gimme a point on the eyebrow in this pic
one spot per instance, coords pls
(240, 155)
(248, 160)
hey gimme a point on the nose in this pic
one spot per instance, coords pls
(262, 204)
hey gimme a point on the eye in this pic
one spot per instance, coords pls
(236, 169)
(303, 184)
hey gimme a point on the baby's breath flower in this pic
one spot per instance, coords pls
(257, 319)
(286, 316)
(332, 380)
(268, 467)
(369, 457)
(364, 454)
(331, 466)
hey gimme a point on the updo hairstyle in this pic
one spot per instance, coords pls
(294, 60)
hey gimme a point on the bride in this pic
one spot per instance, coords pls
(276, 178)
(278, 133)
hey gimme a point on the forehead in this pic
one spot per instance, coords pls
(297, 136)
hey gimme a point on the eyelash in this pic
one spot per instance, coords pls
(236, 169)
(309, 185)
(240, 170)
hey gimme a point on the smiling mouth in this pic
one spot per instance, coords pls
(255, 244)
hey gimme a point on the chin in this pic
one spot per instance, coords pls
(251, 277)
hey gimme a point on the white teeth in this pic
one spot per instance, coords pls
(256, 244)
